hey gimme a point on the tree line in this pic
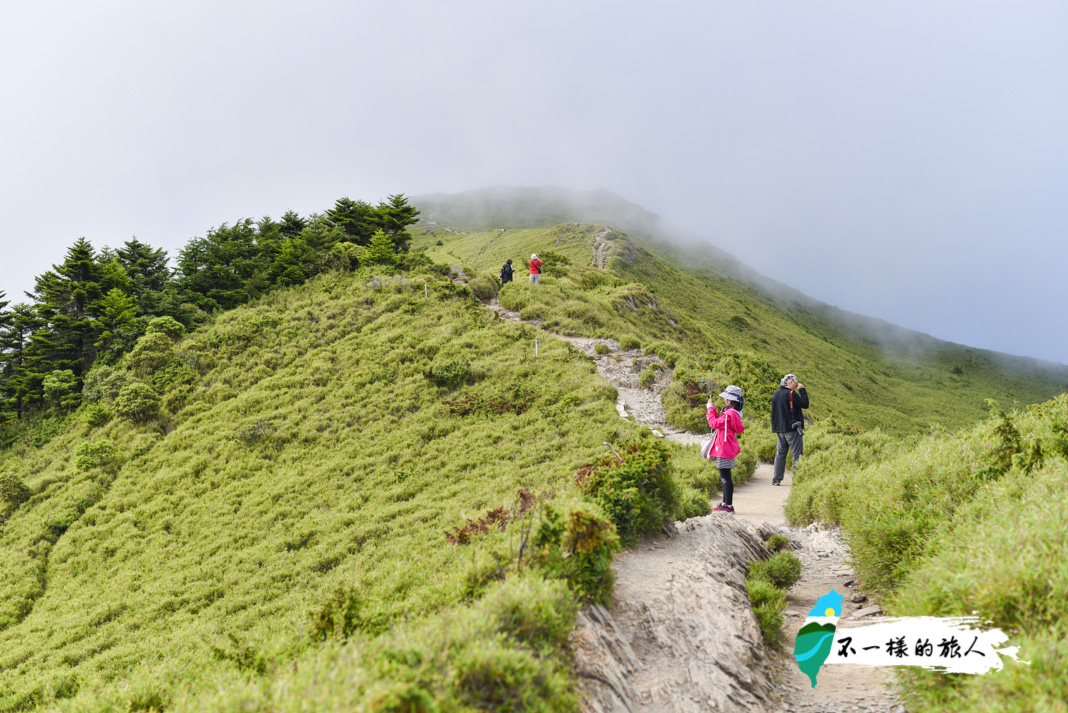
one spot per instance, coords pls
(94, 305)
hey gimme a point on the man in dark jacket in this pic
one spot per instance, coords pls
(506, 273)
(788, 423)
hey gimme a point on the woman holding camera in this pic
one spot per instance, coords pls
(725, 447)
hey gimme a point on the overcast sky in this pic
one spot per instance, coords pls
(906, 159)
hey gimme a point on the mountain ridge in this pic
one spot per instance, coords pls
(529, 207)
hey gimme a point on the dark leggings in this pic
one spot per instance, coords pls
(728, 485)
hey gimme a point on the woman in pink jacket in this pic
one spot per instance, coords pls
(725, 448)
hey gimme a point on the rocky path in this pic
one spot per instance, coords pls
(680, 635)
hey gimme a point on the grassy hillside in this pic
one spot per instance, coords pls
(309, 453)
(258, 515)
(956, 524)
(703, 317)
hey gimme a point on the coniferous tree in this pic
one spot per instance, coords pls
(224, 269)
(287, 268)
(15, 382)
(395, 215)
(7, 319)
(358, 219)
(68, 299)
(292, 224)
(149, 275)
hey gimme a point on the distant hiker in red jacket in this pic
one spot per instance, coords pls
(725, 448)
(535, 269)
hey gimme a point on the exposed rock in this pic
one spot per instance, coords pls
(868, 611)
(695, 646)
(858, 597)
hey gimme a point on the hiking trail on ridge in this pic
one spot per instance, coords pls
(681, 635)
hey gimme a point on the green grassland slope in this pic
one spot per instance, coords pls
(320, 440)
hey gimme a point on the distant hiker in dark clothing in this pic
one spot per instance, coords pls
(535, 269)
(506, 273)
(725, 447)
(788, 423)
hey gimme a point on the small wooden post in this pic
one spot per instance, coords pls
(425, 292)
(535, 347)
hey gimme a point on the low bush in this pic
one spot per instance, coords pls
(168, 326)
(782, 569)
(13, 491)
(152, 352)
(61, 390)
(484, 287)
(96, 415)
(577, 549)
(448, 374)
(102, 453)
(768, 602)
(137, 402)
(636, 490)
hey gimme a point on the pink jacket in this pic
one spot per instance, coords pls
(727, 426)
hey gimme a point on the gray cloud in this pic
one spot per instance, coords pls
(904, 161)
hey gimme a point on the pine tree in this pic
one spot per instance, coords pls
(224, 269)
(287, 267)
(68, 299)
(358, 219)
(380, 250)
(149, 275)
(19, 381)
(292, 224)
(395, 215)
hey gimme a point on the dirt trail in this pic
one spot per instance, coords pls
(680, 635)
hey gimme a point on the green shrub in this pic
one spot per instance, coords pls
(778, 542)
(137, 402)
(344, 613)
(554, 264)
(13, 491)
(769, 602)
(484, 288)
(96, 415)
(449, 374)
(533, 612)
(101, 454)
(639, 495)
(579, 551)
(103, 383)
(649, 376)
(169, 326)
(152, 351)
(782, 569)
(61, 390)
(600, 348)
(765, 451)
(745, 464)
(629, 343)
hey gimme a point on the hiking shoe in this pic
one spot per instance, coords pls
(722, 507)
(776, 482)
(730, 509)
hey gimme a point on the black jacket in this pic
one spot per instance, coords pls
(506, 273)
(782, 418)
